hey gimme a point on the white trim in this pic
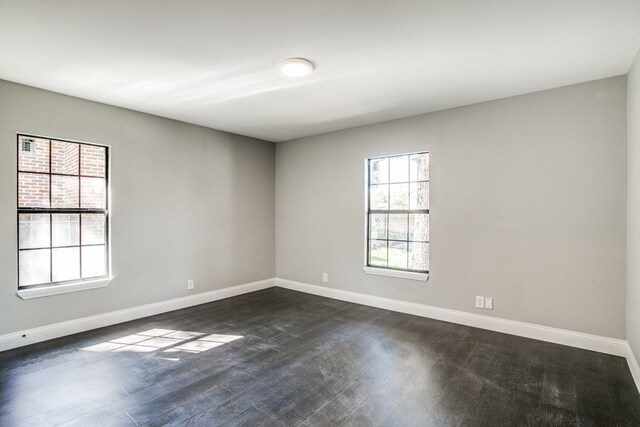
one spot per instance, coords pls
(46, 291)
(560, 336)
(57, 138)
(365, 240)
(633, 366)
(598, 343)
(43, 333)
(54, 289)
(412, 275)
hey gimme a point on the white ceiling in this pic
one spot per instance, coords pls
(214, 63)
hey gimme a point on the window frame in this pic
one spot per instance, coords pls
(64, 286)
(419, 275)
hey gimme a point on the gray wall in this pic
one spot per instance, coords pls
(528, 206)
(633, 213)
(188, 202)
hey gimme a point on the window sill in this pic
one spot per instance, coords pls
(46, 291)
(397, 273)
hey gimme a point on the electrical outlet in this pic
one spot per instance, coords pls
(190, 284)
(479, 302)
(488, 303)
(325, 278)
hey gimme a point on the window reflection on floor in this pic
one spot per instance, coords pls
(167, 340)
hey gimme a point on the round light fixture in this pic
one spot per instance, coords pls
(296, 67)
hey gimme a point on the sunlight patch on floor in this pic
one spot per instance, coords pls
(156, 339)
(204, 343)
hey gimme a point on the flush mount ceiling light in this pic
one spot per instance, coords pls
(296, 67)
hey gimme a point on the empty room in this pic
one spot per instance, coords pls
(319, 213)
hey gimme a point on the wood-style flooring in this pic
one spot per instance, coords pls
(278, 357)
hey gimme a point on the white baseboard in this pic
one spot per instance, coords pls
(598, 343)
(544, 333)
(56, 330)
(633, 366)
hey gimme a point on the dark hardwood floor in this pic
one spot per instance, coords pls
(278, 357)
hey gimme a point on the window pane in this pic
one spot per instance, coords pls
(64, 157)
(33, 231)
(399, 196)
(93, 229)
(33, 154)
(65, 229)
(379, 197)
(399, 169)
(92, 160)
(419, 195)
(378, 171)
(398, 254)
(92, 193)
(94, 261)
(398, 226)
(378, 226)
(66, 264)
(419, 256)
(378, 252)
(33, 190)
(34, 267)
(419, 227)
(64, 191)
(420, 167)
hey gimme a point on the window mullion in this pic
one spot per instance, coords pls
(408, 240)
(62, 211)
(387, 237)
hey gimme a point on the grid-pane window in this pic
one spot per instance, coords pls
(398, 212)
(62, 211)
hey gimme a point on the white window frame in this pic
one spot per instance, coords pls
(381, 271)
(57, 288)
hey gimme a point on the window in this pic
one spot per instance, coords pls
(62, 212)
(398, 215)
